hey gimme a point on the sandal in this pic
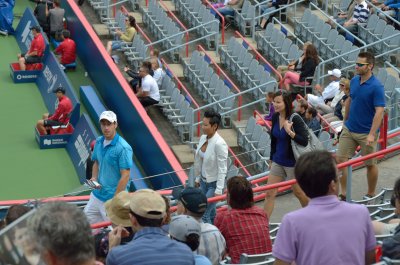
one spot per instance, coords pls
(342, 197)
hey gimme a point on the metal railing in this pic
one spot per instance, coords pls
(222, 20)
(260, 57)
(220, 71)
(180, 86)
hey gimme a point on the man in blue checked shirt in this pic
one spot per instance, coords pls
(112, 161)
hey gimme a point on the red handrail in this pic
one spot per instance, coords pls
(239, 162)
(180, 24)
(222, 21)
(182, 86)
(220, 71)
(258, 114)
(259, 56)
(126, 13)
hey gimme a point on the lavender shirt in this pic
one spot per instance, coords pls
(271, 112)
(327, 231)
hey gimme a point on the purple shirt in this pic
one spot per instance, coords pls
(327, 231)
(271, 112)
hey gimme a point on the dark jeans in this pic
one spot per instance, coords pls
(147, 101)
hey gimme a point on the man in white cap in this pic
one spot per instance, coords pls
(327, 93)
(112, 160)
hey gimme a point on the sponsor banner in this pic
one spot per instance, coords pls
(52, 141)
(78, 146)
(52, 77)
(23, 34)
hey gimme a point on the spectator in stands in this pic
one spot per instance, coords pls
(36, 50)
(2, 224)
(389, 228)
(336, 119)
(186, 229)
(301, 108)
(389, 8)
(309, 63)
(155, 53)
(329, 107)
(126, 36)
(294, 65)
(322, 224)
(158, 71)
(41, 15)
(229, 10)
(15, 212)
(67, 49)
(364, 113)
(193, 202)
(312, 121)
(342, 16)
(62, 234)
(56, 18)
(210, 161)
(244, 225)
(327, 93)
(150, 245)
(136, 80)
(267, 9)
(391, 246)
(269, 98)
(148, 92)
(61, 115)
(112, 157)
(167, 218)
(360, 15)
(282, 159)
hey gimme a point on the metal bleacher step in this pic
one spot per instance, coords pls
(230, 136)
(183, 153)
(101, 30)
(137, 16)
(239, 124)
(215, 56)
(177, 69)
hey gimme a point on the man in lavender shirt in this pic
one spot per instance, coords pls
(327, 231)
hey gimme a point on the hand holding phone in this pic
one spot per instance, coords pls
(93, 184)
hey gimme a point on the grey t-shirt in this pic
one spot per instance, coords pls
(56, 19)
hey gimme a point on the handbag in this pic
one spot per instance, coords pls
(313, 142)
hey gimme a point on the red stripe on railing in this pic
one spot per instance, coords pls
(259, 56)
(180, 24)
(220, 71)
(239, 163)
(222, 20)
(182, 86)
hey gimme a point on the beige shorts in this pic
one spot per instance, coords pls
(349, 141)
(286, 173)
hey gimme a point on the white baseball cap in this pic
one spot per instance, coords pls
(108, 115)
(335, 72)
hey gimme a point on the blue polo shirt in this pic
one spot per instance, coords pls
(364, 98)
(111, 159)
(151, 246)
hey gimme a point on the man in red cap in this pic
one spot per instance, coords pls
(36, 51)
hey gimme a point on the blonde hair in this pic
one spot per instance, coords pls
(346, 83)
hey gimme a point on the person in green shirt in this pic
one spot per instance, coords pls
(126, 36)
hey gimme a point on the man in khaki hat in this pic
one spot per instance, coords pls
(147, 211)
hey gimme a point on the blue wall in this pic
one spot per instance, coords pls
(150, 148)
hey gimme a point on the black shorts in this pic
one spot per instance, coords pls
(52, 123)
(33, 59)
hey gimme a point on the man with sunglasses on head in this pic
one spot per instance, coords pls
(363, 117)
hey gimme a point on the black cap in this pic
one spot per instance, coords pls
(37, 28)
(192, 199)
(59, 89)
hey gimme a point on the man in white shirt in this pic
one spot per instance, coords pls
(327, 93)
(148, 94)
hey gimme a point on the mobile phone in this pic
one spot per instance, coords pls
(93, 184)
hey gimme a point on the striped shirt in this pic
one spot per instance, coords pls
(151, 246)
(361, 12)
(212, 243)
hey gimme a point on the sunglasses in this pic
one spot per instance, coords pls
(361, 64)
(341, 84)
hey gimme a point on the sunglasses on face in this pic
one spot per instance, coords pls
(341, 84)
(361, 64)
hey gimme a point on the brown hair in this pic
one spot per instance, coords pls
(287, 100)
(240, 193)
(312, 53)
(303, 103)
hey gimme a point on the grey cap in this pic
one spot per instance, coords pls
(183, 225)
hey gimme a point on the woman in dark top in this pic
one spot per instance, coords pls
(307, 69)
(281, 158)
